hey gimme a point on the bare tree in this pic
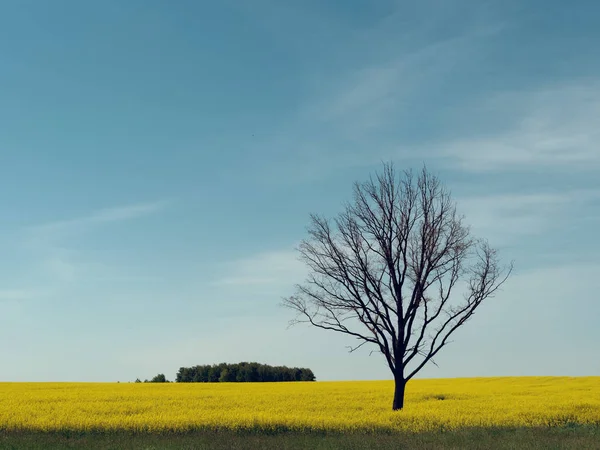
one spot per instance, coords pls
(384, 270)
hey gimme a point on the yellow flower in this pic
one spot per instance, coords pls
(314, 406)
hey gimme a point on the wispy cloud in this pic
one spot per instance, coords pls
(107, 215)
(54, 254)
(378, 95)
(554, 127)
(266, 269)
(62, 264)
(17, 294)
(506, 217)
(371, 112)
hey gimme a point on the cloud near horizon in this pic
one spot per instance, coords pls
(264, 269)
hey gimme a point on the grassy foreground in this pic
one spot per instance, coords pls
(484, 439)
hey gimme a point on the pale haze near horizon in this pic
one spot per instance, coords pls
(159, 162)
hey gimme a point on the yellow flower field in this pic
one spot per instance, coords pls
(336, 406)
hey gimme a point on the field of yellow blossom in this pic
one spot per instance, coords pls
(362, 406)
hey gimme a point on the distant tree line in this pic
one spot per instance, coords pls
(242, 372)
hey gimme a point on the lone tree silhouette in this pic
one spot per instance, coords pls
(384, 270)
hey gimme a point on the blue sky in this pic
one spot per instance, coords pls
(159, 161)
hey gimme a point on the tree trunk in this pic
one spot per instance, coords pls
(400, 385)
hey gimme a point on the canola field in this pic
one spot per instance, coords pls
(361, 406)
